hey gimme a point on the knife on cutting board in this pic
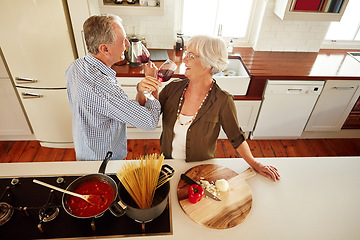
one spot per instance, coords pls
(206, 192)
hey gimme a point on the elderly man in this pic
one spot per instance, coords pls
(100, 107)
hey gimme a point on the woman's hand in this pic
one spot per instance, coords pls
(148, 84)
(267, 171)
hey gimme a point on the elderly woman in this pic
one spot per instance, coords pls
(195, 108)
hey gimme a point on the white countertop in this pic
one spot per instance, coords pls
(316, 198)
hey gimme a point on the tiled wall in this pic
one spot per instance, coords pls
(275, 34)
(159, 31)
(272, 33)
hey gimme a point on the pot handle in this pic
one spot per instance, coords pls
(118, 208)
(104, 163)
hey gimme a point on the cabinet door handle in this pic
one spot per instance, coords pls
(26, 95)
(128, 85)
(21, 80)
(344, 88)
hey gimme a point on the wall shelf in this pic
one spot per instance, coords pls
(283, 9)
(127, 9)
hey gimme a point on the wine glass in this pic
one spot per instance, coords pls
(140, 52)
(165, 72)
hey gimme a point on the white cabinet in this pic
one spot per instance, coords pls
(283, 9)
(12, 119)
(247, 112)
(37, 44)
(334, 105)
(50, 115)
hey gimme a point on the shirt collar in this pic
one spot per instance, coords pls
(100, 65)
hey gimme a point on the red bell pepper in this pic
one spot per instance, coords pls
(195, 193)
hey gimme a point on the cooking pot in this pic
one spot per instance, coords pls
(159, 201)
(114, 206)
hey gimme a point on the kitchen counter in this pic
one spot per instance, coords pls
(316, 198)
(324, 65)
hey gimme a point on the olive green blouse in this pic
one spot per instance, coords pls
(217, 111)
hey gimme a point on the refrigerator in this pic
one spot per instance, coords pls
(37, 42)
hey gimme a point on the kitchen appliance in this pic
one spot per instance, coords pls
(32, 211)
(179, 42)
(286, 108)
(235, 203)
(129, 53)
(38, 48)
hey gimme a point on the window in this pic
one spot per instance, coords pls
(347, 31)
(228, 18)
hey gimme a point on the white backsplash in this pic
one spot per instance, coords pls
(275, 34)
(159, 31)
(272, 33)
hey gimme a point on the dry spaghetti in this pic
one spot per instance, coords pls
(140, 178)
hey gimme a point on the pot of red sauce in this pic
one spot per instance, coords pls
(97, 184)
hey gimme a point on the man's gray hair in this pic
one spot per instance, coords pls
(98, 29)
(212, 51)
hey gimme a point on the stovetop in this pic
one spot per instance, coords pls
(28, 199)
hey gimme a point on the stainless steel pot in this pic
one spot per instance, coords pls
(159, 202)
(114, 207)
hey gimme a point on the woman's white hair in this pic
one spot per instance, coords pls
(212, 51)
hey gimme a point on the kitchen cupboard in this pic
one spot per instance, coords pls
(135, 9)
(334, 105)
(247, 112)
(13, 121)
(284, 9)
(38, 48)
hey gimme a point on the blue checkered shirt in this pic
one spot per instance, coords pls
(101, 109)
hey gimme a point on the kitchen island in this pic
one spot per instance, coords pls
(316, 198)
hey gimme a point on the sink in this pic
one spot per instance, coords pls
(355, 55)
(235, 78)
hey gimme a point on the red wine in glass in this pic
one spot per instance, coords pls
(166, 70)
(165, 75)
(143, 58)
(140, 52)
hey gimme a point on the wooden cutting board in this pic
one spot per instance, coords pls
(234, 206)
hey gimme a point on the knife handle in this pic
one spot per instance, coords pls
(187, 179)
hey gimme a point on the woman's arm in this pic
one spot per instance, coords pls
(267, 171)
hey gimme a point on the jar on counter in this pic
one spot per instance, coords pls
(143, 2)
(152, 3)
(179, 42)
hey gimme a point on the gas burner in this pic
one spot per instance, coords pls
(6, 212)
(48, 214)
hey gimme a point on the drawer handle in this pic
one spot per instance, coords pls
(26, 95)
(25, 80)
(128, 85)
(344, 88)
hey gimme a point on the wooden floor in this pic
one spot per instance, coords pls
(31, 151)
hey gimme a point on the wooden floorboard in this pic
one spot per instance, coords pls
(32, 151)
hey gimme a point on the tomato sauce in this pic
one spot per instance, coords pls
(81, 208)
